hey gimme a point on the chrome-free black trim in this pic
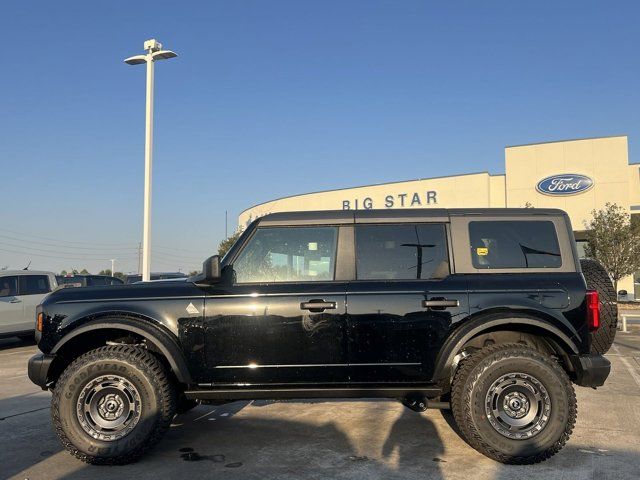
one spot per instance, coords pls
(270, 393)
(153, 334)
(590, 370)
(38, 369)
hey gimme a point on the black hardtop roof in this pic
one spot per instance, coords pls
(395, 215)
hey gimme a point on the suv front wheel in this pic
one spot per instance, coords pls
(513, 404)
(112, 404)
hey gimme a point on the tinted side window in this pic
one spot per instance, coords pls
(8, 286)
(34, 284)
(95, 281)
(514, 244)
(288, 254)
(404, 252)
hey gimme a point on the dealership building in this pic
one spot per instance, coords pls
(578, 176)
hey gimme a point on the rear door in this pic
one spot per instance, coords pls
(403, 302)
(11, 306)
(32, 289)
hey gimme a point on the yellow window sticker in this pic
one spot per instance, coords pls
(482, 251)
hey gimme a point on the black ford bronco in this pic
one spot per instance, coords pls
(488, 313)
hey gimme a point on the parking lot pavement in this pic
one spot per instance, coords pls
(325, 439)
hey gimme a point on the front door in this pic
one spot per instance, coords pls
(279, 317)
(11, 306)
(403, 303)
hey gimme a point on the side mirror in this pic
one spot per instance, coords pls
(211, 269)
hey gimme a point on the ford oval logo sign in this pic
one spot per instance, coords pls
(567, 184)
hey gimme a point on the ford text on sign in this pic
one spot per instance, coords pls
(567, 184)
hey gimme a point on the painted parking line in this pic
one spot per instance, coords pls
(630, 368)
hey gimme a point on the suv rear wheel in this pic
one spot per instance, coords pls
(112, 404)
(513, 404)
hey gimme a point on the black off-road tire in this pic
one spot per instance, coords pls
(598, 279)
(154, 390)
(469, 403)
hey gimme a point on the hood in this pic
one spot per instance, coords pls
(166, 289)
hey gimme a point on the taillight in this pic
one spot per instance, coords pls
(39, 320)
(593, 310)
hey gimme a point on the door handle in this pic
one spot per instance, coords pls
(317, 305)
(440, 303)
(15, 300)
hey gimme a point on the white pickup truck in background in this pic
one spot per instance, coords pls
(20, 293)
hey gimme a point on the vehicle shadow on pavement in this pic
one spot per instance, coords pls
(302, 439)
(26, 436)
(308, 440)
(231, 442)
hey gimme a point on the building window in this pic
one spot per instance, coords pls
(581, 246)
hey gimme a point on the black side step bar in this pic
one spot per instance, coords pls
(271, 393)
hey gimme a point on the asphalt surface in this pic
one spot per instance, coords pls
(325, 439)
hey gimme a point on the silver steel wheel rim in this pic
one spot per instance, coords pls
(108, 407)
(518, 406)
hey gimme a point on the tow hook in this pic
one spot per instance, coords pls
(415, 403)
(420, 404)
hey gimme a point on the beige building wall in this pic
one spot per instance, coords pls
(472, 190)
(634, 188)
(605, 160)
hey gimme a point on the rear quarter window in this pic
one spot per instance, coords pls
(514, 244)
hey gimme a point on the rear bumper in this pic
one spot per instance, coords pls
(591, 370)
(39, 368)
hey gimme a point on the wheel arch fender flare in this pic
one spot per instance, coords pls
(483, 324)
(162, 340)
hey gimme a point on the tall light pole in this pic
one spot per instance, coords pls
(113, 267)
(154, 52)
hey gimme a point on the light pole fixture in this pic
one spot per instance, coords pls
(154, 53)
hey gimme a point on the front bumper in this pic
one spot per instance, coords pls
(590, 370)
(39, 368)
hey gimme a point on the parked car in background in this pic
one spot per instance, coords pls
(87, 280)
(20, 292)
(136, 277)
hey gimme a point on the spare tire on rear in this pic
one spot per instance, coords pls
(598, 279)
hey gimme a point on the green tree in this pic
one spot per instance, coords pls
(614, 241)
(227, 243)
(63, 273)
(84, 271)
